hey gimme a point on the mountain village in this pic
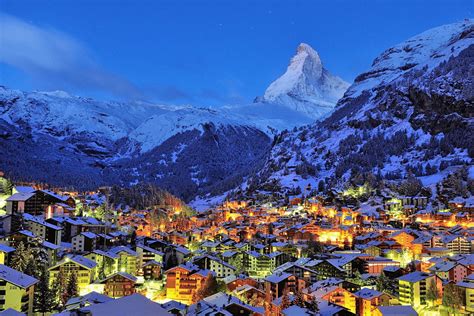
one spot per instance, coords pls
(76, 253)
(319, 198)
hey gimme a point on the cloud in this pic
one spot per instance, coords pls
(56, 59)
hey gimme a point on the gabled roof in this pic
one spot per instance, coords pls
(152, 262)
(278, 277)
(122, 274)
(367, 293)
(19, 197)
(16, 277)
(40, 221)
(119, 249)
(443, 266)
(89, 235)
(414, 277)
(24, 189)
(149, 249)
(91, 298)
(80, 260)
(105, 254)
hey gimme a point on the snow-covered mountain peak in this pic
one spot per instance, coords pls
(306, 86)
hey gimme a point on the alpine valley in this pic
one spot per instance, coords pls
(411, 113)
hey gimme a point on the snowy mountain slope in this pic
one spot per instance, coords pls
(62, 113)
(72, 141)
(412, 112)
(210, 159)
(306, 86)
(158, 128)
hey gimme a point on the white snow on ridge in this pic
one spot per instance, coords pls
(427, 49)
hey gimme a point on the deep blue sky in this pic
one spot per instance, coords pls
(199, 52)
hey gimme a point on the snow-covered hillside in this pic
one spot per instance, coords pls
(74, 141)
(412, 112)
(306, 86)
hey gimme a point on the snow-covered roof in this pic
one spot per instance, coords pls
(122, 274)
(397, 310)
(277, 277)
(127, 306)
(20, 197)
(24, 189)
(295, 310)
(80, 260)
(11, 312)
(119, 249)
(16, 277)
(367, 293)
(91, 298)
(5, 248)
(415, 276)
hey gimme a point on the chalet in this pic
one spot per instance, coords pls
(183, 281)
(450, 271)
(36, 202)
(83, 268)
(42, 228)
(17, 290)
(233, 282)
(328, 269)
(119, 284)
(368, 300)
(455, 243)
(70, 227)
(84, 242)
(251, 294)
(301, 272)
(467, 288)
(146, 253)
(221, 268)
(151, 270)
(107, 262)
(412, 287)
(335, 295)
(378, 264)
(279, 282)
(127, 259)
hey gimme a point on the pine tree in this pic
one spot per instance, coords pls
(21, 257)
(44, 299)
(432, 293)
(285, 300)
(312, 304)
(71, 289)
(209, 288)
(299, 298)
(452, 297)
(384, 284)
(102, 274)
(59, 290)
